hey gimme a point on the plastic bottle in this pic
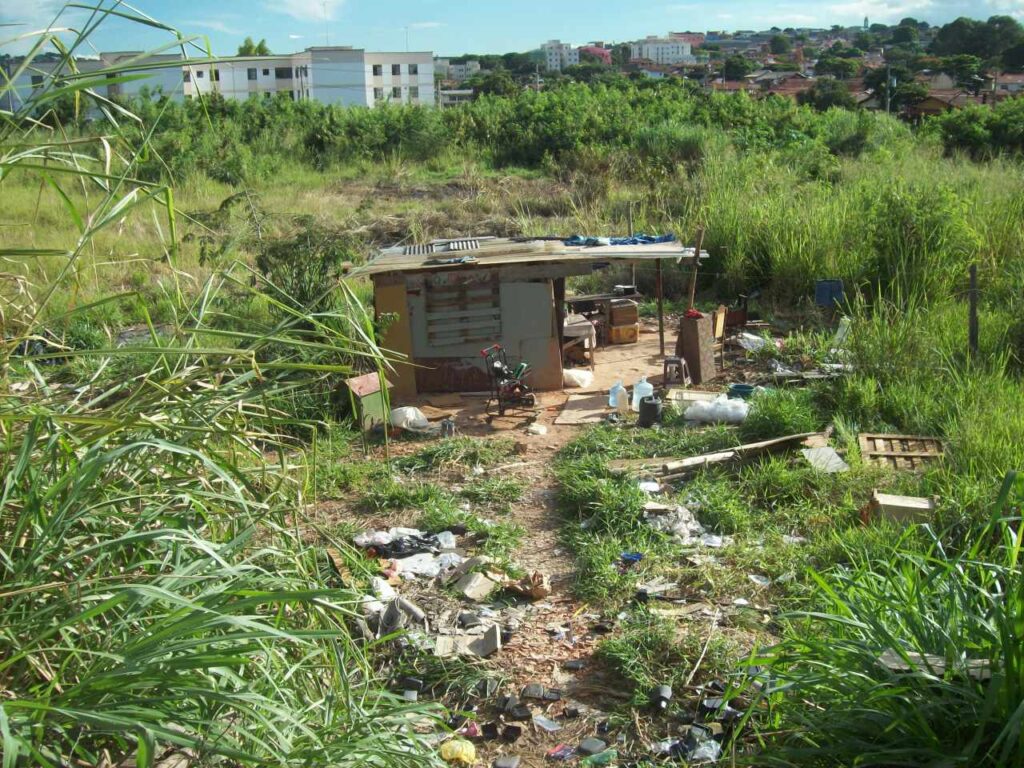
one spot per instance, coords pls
(661, 696)
(641, 390)
(615, 393)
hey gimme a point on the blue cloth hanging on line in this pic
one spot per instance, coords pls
(580, 240)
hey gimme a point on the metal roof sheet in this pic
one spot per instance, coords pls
(463, 253)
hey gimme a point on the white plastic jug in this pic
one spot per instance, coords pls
(615, 394)
(641, 390)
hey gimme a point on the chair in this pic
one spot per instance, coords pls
(674, 367)
(718, 331)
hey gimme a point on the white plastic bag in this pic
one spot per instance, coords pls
(720, 410)
(410, 419)
(575, 377)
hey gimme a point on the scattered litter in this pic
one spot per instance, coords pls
(412, 419)
(575, 377)
(706, 752)
(546, 724)
(655, 587)
(741, 602)
(506, 761)
(607, 757)
(761, 581)
(511, 733)
(649, 486)
(574, 665)
(712, 540)
(475, 587)
(661, 696)
(592, 746)
(680, 524)
(536, 429)
(427, 565)
(536, 586)
(825, 460)
(446, 540)
(458, 752)
(751, 342)
(532, 691)
(793, 540)
(720, 410)
(562, 752)
(464, 644)
(901, 509)
(411, 696)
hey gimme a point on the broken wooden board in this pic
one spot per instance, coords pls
(902, 509)
(912, 452)
(671, 467)
(741, 452)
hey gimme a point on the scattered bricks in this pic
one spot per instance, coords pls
(511, 733)
(506, 703)
(475, 587)
(468, 620)
(489, 731)
(486, 687)
(552, 694)
(592, 746)
(520, 713)
(574, 665)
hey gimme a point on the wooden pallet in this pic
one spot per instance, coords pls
(911, 452)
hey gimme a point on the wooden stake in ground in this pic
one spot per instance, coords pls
(659, 291)
(696, 264)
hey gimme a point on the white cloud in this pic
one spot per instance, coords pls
(426, 25)
(307, 10)
(24, 19)
(294, 37)
(214, 24)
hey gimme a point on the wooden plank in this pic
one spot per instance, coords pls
(907, 454)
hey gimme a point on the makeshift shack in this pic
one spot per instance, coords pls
(447, 300)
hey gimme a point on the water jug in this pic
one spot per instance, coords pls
(615, 393)
(641, 390)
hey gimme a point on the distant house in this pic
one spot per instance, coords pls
(939, 101)
(453, 97)
(661, 50)
(1008, 82)
(935, 79)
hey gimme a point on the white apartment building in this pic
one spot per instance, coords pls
(448, 98)
(662, 50)
(332, 75)
(157, 74)
(559, 55)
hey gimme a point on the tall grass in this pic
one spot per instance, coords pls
(158, 593)
(914, 659)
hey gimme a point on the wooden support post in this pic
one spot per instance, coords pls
(972, 323)
(629, 218)
(696, 264)
(658, 289)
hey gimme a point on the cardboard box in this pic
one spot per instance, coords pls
(624, 334)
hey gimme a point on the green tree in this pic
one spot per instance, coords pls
(963, 68)
(499, 82)
(865, 41)
(903, 35)
(621, 55)
(826, 94)
(1013, 58)
(841, 69)
(250, 48)
(780, 44)
(736, 67)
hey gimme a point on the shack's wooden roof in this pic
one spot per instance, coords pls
(493, 251)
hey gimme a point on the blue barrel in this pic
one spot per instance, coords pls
(828, 293)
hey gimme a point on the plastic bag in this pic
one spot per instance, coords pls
(410, 419)
(574, 377)
(720, 410)
(458, 752)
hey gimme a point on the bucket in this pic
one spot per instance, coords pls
(828, 293)
(741, 391)
(650, 412)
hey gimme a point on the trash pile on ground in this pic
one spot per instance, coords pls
(410, 555)
(682, 525)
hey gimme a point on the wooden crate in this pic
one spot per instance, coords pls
(624, 334)
(901, 451)
(624, 312)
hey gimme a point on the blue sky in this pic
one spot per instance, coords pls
(451, 27)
